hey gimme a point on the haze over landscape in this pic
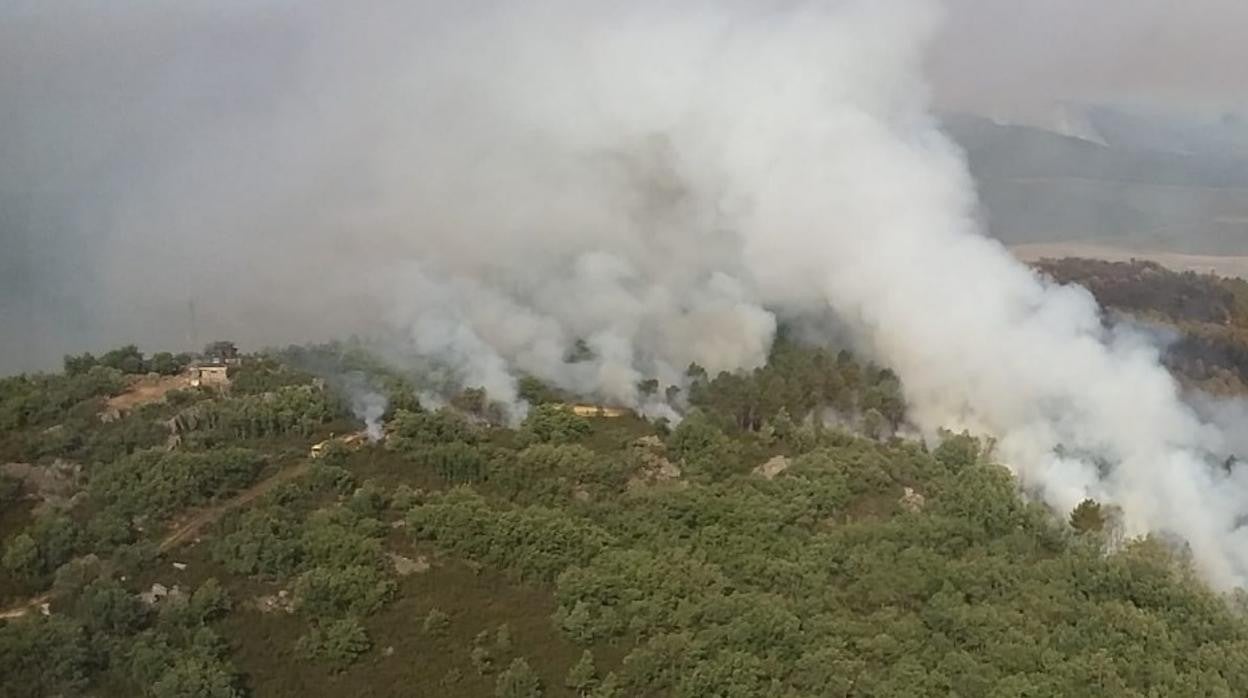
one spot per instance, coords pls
(664, 186)
(1102, 124)
(758, 235)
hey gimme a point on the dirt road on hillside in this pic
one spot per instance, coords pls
(187, 530)
(208, 516)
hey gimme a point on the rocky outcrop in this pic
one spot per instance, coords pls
(652, 468)
(773, 467)
(60, 479)
(404, 566)
(912, 501)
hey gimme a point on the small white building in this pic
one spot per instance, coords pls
(214, 375)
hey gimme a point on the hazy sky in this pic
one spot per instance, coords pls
(1007, 55)
(120, 117)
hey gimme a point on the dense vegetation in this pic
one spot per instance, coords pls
(749, 550)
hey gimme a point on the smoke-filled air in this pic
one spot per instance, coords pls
(485, 184)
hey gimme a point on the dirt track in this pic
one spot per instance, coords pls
(187, 530)
(208, 516)
(23, 608)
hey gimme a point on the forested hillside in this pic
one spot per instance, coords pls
(780, 540)
(1158, 189)
(1204, 317)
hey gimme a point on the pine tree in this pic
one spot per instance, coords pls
(782, 424)
(1087, 517)
(518, 681)
(608, 688)
(482, 659)
(583, 676)
(502, 639)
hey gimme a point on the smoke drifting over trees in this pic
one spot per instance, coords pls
(484, 185)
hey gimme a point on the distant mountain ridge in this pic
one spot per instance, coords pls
(1171, 186)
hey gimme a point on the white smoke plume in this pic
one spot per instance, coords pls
(369, 407)
(496, 180)
(366, 402)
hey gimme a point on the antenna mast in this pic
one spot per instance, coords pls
(192, 338)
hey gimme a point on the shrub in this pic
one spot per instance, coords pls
(437, 623)
(518, 681)
(369, 500)
(210, 601)
(702, 448)
(109, 529)
(22, 557)
(1087, 517)
(131, 557)
(167, 364)
(502, 639)
(537, 542)
(546, 473)
(51, 541)
(404, 498)
(583, 676)
(74, 576)
(357, 590)
(297, 409)
(262, 541)
(609, 687)
(339, 538)
(44, 656)
(957, 451)
(158, 483)
(456, 462)
(482, 659)
(41, 399)
(127, 359)
(105, 607)
(10, 490)
(337, 643)
(553, 424)
(323, 477)
(409, 431)
(199, 677)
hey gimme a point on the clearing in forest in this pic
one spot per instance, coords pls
(148, 389)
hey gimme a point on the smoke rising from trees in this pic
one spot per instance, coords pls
(486, 184)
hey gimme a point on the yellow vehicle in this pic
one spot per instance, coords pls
(350, 440)
(581, 410)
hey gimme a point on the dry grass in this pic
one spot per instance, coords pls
(148, 389)
(406, 661)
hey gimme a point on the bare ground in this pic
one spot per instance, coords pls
(1220, 265)
(148, 389)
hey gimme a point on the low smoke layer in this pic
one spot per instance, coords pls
(1017, 59)
(491, 182)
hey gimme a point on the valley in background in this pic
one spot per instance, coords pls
(789, 537)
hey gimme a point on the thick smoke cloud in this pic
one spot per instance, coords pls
(488, 183)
